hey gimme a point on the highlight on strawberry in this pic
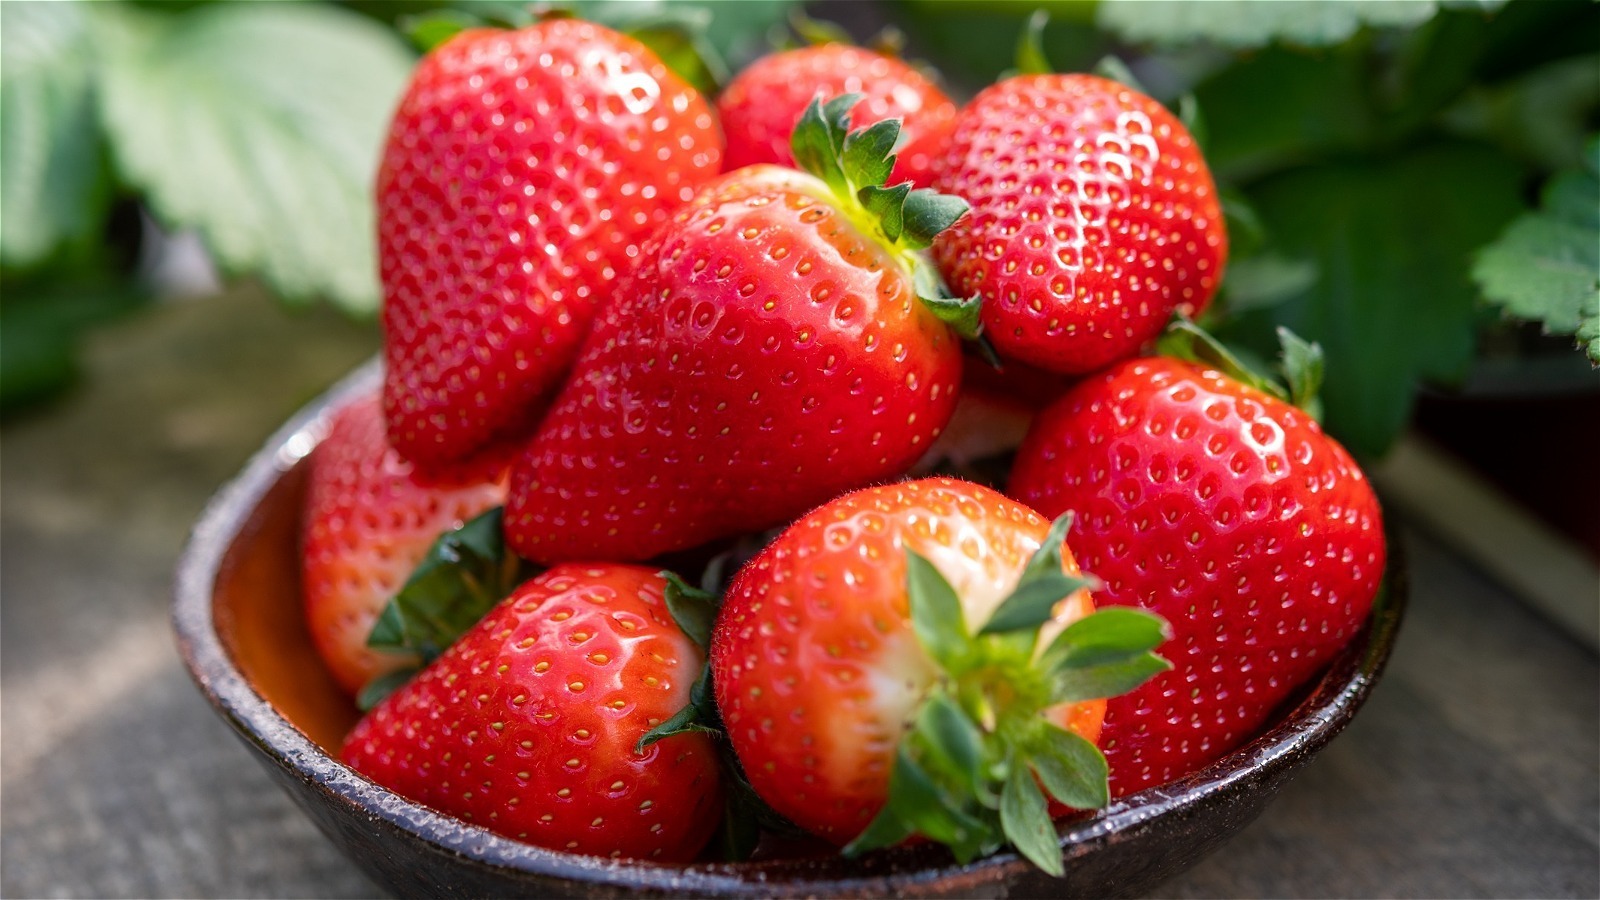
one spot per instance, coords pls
(782, 340)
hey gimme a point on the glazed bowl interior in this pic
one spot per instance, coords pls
(242, 634)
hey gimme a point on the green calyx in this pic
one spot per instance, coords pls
(463, 575)
(1301, 362)
(978, 760)
(856, 165)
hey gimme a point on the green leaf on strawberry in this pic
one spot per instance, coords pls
(855, 165)
(464, 574)
(967, 772)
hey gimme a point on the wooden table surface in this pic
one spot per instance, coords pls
(1473, 771)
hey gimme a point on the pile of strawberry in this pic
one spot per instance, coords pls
(627, 333)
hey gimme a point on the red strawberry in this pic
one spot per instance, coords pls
(1094, 217)
(878, 675)
(769, 352)
(528, 725)
(369, 519)
(522, 171)
(758, 108)
(1228, 512)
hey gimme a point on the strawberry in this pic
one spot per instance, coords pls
(522, 171)
(1094, 217)
(908, 658)
(778, 344)
(1226, 511)
(758, 109)
(530, 724)
(369, 519)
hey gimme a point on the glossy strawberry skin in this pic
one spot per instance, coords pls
(1093, 218)
(1229, 513)
(522, 171)
(370, 516)
(759, 107)
(766, 356)
(814, 661)
(527, 725)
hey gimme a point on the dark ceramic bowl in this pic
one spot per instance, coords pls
(238, 618)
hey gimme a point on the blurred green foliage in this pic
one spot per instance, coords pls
(1384, 162)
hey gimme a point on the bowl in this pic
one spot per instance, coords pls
(237, 613)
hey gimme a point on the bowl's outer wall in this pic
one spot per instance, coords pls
(238, 618)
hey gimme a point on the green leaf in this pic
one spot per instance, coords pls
(951, 744)
(1545, 267)
(699, 715)
(1026, 819)
(867, 156)
(1111, 679)
(1257, 282)
(1392, 305)
(817, 32)
(260, 125)
(694, 610)
(1031, 58)
(963, 315)
(917, 804)
(1107, 635)
(927, 213)
(818, 139)
(53, 185)
(464, 574)
(936, 613)
(433, 28)
(373, 692)
(887, 204)
(1302, 369)
(1041, 586)
(677, 34)
(1071, 768)
(41, 324)
(1245, 23)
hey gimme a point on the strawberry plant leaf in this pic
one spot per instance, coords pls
(927, 213)
(936, 613)
(373, 692)
(1545, 266)
(918, 804)
(694, 610)
(1114, 68)
(1392, 305)
(1074, 684)
(1109, 635)
(818, 139)
(961, 314)
(427, 31)
(1041, 586)
(1031, 58)
(888, 204)
(1302, 369)
(1071, 768)
(463, 575)
(53, 185)
(698, 715)
(259, 125)
(952, 745)
(867, 156)
(1025, 817)
(1244, 24)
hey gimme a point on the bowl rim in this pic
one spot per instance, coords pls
(1319, 716)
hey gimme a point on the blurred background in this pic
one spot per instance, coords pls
(186, 256)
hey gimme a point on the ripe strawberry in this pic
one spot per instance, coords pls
(758, 109)
(369, 519)
(1226, 511)
(529, 724)
(522, 171)
(774, 348)
(904, 659)
(1094, 217)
